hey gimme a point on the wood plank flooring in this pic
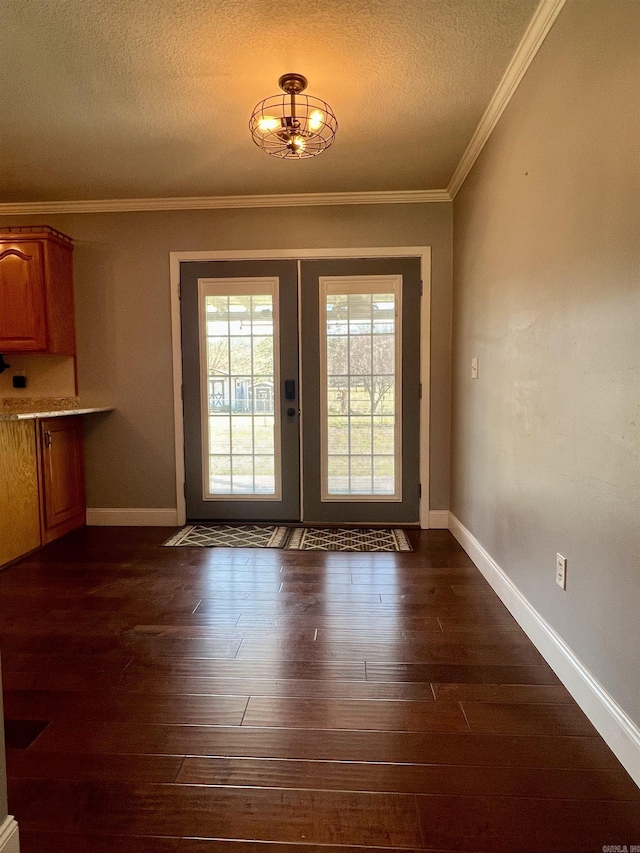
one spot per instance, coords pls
(178, 700)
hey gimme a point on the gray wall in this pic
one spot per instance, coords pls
(124, 330)
(546, 295)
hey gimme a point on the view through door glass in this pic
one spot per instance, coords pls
(361, 395)
(239, 371)
(239, 343)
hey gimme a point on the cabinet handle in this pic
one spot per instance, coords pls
(47, 438)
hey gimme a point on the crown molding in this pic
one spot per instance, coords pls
(542, 21)
(128, 205)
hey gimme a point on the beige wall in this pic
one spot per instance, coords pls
(546, 295)
(124, 333)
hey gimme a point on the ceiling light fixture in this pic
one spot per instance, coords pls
(293, 125)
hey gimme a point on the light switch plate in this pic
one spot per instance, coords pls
(561, 571)
(474, 368)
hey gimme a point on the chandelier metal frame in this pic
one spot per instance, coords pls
(293, 125)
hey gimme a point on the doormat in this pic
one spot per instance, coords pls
(348, 539)
(230, 536)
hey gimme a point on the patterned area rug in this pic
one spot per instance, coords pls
(348, 539)
(230, 536)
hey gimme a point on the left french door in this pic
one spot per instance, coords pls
(239, 323)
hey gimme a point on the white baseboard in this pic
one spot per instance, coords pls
(438, 519)
(132, 517)
(615, 726)
(9, 840)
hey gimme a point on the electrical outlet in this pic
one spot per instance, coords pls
(474, 368)
(561, 571)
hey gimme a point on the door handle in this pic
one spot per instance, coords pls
(289, 389)
(291, 412)
(47, 438)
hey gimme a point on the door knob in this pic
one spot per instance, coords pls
(291, 412)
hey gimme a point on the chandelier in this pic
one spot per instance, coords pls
(293, 125)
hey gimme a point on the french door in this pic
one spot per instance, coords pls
(239, 351)
(301, 389)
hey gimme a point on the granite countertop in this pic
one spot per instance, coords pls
(56, 413)
(29, 409)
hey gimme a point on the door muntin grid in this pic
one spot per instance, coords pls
(361, 388)
(240, 396)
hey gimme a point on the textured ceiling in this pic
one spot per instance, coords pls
(151, 98)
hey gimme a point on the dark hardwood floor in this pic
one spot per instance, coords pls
(186, 700)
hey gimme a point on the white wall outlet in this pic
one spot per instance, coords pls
(561, 571)
(474, 368)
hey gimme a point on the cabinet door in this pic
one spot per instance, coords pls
(19, 512)
(22, 297)
(62, 482)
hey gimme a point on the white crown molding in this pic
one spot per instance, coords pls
(535, 34)
(615, 726)
(135, 205)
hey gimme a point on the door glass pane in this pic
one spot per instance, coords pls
(241, 406)
(360, 347)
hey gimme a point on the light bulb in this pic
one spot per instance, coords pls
(316, 120)
(297, 143)
(267, 123)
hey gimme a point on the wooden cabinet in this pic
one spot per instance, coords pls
(62, 495)
(19, 505)
(36, 291)
(42, 492)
